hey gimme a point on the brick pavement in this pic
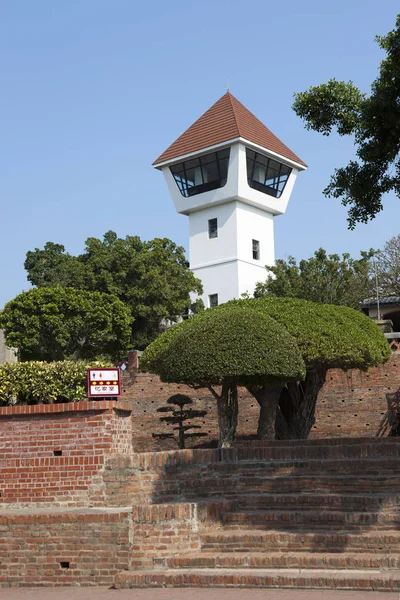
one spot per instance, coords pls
(101, 593)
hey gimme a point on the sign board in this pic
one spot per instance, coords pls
(104, 382)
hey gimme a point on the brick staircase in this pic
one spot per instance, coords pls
(309, 514)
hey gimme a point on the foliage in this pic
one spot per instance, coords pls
(178, 417)
(44, 383)
(229, 341)
(374, 121)
(327, 335)
(64, 323)
(388, 267)
(152, 278)
(330, 279)
(226, 346)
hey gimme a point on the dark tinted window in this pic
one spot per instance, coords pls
(202, 174)
(266, 174)
(213, 228)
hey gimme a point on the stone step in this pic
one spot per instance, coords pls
(273, 560)
(310, 519)
(311, 501)
(321, 541)
(367, 580)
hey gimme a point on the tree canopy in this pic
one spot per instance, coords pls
(328, 337)
(373, 120)
(388, 267)
(203, 350)
(152, 278)
(227, 346)
(64, 323)
(330, 279)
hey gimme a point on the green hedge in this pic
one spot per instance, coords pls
(231, 341)
(44, 383)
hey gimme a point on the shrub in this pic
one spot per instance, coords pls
(44, 383)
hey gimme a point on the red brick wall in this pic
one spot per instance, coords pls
(213, 475)
(32, 438)
(32, 548)
(357, 403)
(146, 393)
(351, 404)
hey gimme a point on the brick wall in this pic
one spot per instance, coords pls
(63, 549)
(146, 393)
(357, 403)
(351, 404)
(216, 474)
(56, 453)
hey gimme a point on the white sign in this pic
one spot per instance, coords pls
(103, 382)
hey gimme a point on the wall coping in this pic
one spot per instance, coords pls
(85, 405)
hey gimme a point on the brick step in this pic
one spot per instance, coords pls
(312, 464)
(248, 540)
(372, 579)
(310, 519)
(358, 502)
(273, 560)
(232, 488)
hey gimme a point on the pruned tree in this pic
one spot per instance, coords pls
(179, 416)
(222, 348)
(328, 337)
(57, 323)
(373, 120)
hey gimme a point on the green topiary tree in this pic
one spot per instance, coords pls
(56, 323)
(221, 349)
(179, 416)
(328, 337)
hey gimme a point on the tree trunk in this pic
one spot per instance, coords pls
(268, 399)
(296, 412)
(227, 412)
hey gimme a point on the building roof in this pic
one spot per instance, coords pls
(226, 120)
(391, 300)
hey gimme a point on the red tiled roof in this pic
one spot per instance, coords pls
(225, 120)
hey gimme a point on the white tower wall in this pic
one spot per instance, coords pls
(225, 264)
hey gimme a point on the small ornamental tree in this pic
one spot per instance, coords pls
(222, 348)
(179, 416)
(64, 323)
(328, 337)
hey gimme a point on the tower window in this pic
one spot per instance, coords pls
(265, 174)
(213, 300)
(212, 228)
(202, 174)
(256, 250)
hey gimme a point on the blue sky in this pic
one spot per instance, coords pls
(92, 91)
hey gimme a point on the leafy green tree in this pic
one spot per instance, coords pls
(373, 120)
(179, 416)
(222, 348)
(330, 279)
(388, 267)
(152, 278)
(328, 337)
(64, 323)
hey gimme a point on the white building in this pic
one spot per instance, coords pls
(231, 176)
(6, 354)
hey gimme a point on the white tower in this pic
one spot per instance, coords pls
(231, 176)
